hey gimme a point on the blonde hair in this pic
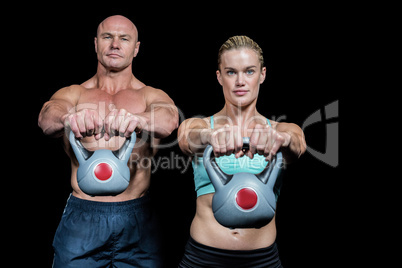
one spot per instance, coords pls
(240, 41)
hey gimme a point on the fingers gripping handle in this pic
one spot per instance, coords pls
(83, 154)
(125, 151)
(272, 171)
(219, 178)
(80, 152)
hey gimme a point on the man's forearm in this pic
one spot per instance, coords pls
(51, 119)
(160, 120)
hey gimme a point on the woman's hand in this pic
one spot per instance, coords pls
(226, 140)
(266, 141)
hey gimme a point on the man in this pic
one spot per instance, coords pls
(98, 231)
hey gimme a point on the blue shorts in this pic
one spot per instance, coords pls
(101, 234)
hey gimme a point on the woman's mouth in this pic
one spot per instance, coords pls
(240, 92)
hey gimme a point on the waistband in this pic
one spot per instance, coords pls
(236, 253)
(107, 207)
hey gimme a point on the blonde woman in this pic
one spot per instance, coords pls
(240, 72)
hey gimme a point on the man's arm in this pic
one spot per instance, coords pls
(161, 114)
(52, 116)
(159, 118)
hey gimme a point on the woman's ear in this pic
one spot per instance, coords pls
(219, 77)
(263, 74)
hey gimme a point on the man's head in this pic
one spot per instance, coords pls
(116, 43)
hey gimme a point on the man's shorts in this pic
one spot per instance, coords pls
(197, 255)
(102, 234)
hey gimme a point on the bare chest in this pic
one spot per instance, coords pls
(95, 99)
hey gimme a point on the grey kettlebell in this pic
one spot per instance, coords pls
(103, 172)
(243, 200)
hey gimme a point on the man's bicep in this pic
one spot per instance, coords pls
(156, 98)
(67, 96)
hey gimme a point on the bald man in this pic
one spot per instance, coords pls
(121, 230)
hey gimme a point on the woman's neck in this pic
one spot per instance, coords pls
(244, 117)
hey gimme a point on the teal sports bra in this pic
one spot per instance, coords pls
(229, 165)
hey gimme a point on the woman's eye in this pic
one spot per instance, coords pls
(250, 72)
(230, 72)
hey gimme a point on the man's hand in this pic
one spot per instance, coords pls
(84, 123)
(119, 122)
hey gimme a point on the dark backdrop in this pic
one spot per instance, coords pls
(303, 49)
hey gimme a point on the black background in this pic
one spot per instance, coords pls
(304, 51)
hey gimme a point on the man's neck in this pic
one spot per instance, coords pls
(114, 81)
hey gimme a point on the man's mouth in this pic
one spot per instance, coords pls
(113, 55)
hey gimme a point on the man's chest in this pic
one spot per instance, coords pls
(95, 99)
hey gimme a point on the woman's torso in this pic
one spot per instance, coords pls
(206, 230)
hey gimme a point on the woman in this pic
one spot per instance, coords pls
(240, 72)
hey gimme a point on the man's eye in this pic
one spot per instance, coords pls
(230, 72)
(250, 72)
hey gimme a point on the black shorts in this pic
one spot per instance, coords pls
(197, 255)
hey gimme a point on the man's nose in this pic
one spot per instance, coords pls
(115, 44)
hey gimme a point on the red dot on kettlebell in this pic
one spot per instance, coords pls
(103, 171)
(246, 198)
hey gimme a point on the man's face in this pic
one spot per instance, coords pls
(116, 44)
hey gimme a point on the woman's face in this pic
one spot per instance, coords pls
(240, 76)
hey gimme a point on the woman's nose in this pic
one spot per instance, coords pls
(240, 79)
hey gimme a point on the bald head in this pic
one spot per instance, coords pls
(118, 23)
(116, 43)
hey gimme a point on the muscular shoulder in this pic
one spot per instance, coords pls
(70, 94)
(153, 95)
(70, 91)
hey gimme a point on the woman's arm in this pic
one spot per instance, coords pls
(295, 145)
(193, 135)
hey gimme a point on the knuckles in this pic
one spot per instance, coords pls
(264, 140)
(87, 122)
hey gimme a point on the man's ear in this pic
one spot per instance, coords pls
(137, 48)
(96, 44)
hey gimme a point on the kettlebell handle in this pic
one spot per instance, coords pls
(82, 154)
(272, 169)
